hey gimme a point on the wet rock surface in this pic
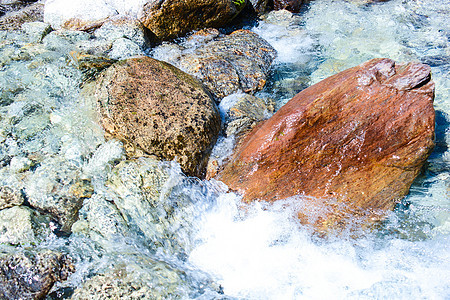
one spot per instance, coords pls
(144, 279)
(246, 112)
(359, 137)
(159, 109)
(171, 19)
(226, 64)
(10, 197)
(290, 5)
(260, 6)
(14, 19)
(60, 194)
(29, 275)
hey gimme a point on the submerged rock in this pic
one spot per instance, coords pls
(159, 109)
(29, 275)
(171, 19)
(58, 192)
(354, 142)
(147, 194)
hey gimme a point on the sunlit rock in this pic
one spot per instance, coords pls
(21, 225)
(144, 278)
(171, 19)
(159, 109)
(59, 192)
(31, 275)
(354, 142)
(14, 19)
(225, 64)
(10, 197)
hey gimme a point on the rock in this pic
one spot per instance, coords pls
(100, 220)
(36, 30)
(159, 109)
(16, 225)
(28, 275)
(120, 283)
(30, 13)
(290, 5)
(145, 194)
(260, 6)
(351, 144)
(124, 48)
(245, 112)
(58, 192)
(239, 61)
(144, 278)
(117, 28)
(10, 197)
(19, 164)
(171, 19)
(90, 64)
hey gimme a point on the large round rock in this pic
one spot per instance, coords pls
(168, 19)
(160, 109)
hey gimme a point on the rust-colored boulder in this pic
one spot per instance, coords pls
(160, 110)
(168, 19)
(354, 142)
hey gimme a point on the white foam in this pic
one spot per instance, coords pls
(266, 254)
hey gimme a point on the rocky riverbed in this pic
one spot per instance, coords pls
(104, 197)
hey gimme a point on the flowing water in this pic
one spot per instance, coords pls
(178, 237)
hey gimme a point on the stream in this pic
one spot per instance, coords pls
(191, 239)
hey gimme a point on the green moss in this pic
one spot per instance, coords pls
(240, 4)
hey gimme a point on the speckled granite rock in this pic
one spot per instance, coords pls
(159, 109)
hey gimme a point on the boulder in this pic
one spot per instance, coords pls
(226, 64)
(29, 275)
(170, 19)
(160, 110)
(351, 144)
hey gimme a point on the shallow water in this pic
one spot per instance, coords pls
(201, 242)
